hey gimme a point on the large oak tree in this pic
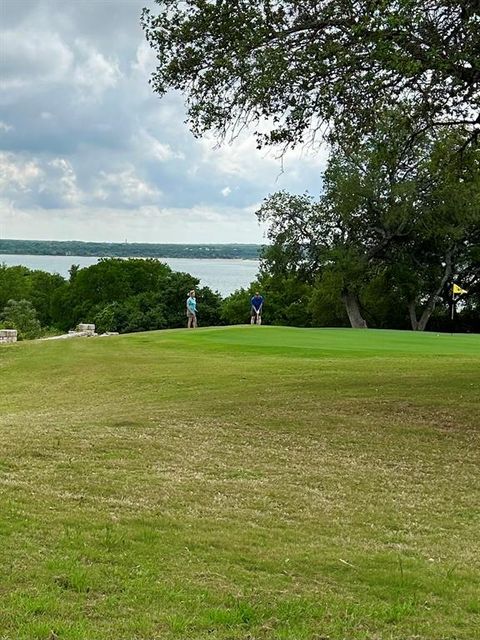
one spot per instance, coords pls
(404, 216)
(304, 66)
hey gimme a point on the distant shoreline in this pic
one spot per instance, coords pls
(78, 255)
(130, 250)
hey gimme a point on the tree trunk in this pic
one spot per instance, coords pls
(425, 317)
(432, 300)
(412, 310)
(352, 306)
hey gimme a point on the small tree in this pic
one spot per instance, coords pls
(20, 315)
(236, 307)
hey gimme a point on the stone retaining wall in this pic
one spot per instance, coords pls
(8, 335)
(85, 329)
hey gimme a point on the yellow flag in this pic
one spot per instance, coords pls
(457, 289)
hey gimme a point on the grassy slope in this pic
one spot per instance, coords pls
(240, 483)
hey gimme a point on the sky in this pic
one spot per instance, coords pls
(89, 152)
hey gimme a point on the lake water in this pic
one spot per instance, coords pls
(224, 276)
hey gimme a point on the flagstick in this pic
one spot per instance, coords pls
(453, 313)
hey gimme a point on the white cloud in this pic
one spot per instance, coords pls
(6, 127)
(226, 192)
(18, 174)
(48, 183)
(145, 60)
(94, 73)
(240, 158)
(125, 189)
(63, 182)
(31, 57)
(151, 147)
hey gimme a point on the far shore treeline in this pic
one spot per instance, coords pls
(129, 250)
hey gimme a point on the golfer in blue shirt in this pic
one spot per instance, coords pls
(191, 310)
(256, 310)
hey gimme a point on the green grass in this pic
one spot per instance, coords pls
(241, 483)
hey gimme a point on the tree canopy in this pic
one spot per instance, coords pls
(306, 65)
(21, 315)
(123, 295)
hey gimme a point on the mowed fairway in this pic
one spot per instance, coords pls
(241, 483)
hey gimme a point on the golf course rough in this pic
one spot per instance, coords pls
(241, 482)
